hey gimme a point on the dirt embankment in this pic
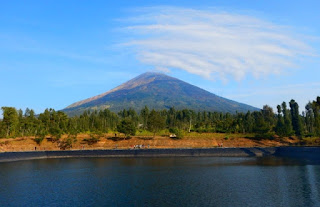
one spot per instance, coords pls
(108, 141)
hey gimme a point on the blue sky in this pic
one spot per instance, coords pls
(54, 53)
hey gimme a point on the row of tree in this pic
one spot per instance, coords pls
(265, 123)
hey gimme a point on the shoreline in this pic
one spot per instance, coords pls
(192, 140)
(289, 152)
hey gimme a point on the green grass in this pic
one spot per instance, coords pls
(313, 141)
(147, 133)
(217, 135)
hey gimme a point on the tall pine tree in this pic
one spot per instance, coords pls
(296, 119)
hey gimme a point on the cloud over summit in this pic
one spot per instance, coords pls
(215, 45)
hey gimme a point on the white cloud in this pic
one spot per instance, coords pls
(215, 45)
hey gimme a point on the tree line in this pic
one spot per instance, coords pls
(287, 121)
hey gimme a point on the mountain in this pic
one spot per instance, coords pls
(157, 91)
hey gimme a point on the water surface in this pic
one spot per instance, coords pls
(198, 181)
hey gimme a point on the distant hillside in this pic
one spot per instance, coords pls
(157, 91)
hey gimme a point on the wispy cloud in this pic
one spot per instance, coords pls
(214, 44)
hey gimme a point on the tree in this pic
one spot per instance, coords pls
(127, 127)
(248, 122)
(40, 134)
(280, 128)
(10, 120)
(171, 117)
(288, 131)
(44, 118)
(155, 122)
(309, 119)
(144, 115)
(315, 108)
(261, 126)
(55, 132)
(31, 122)
(268, 115)
(295, 117)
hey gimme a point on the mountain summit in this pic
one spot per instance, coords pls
(157, 91)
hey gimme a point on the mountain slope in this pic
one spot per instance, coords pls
(157, 91)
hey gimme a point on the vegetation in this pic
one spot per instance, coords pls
(178, 134)
(127, 127)
(262, 124)
(155, 122)
(94, 138)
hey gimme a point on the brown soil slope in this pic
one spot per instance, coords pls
(108, 141)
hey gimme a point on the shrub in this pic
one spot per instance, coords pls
(66, 144)
(94, 138)
(268, 135)
(38, 140)
(177, 132)
(55, 133)
(41, 134)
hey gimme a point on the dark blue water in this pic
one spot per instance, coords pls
(160, 182)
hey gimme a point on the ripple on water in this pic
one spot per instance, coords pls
(200, 181)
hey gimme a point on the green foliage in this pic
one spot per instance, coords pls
(127, 127)
(144, 113)
(296, 119)
(73, 135)
(177, 132)
(38, 140)
(261, 125)
(288, 131)
(10, 121)
(94, 138)
(66, 144)
(264, 124)
(315, 110)
(310, 141)
(156, 122)
(267, 135)
(55, 132)
(309, 120)
(40, 135)
(280, 127)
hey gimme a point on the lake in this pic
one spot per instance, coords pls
(184, 181)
